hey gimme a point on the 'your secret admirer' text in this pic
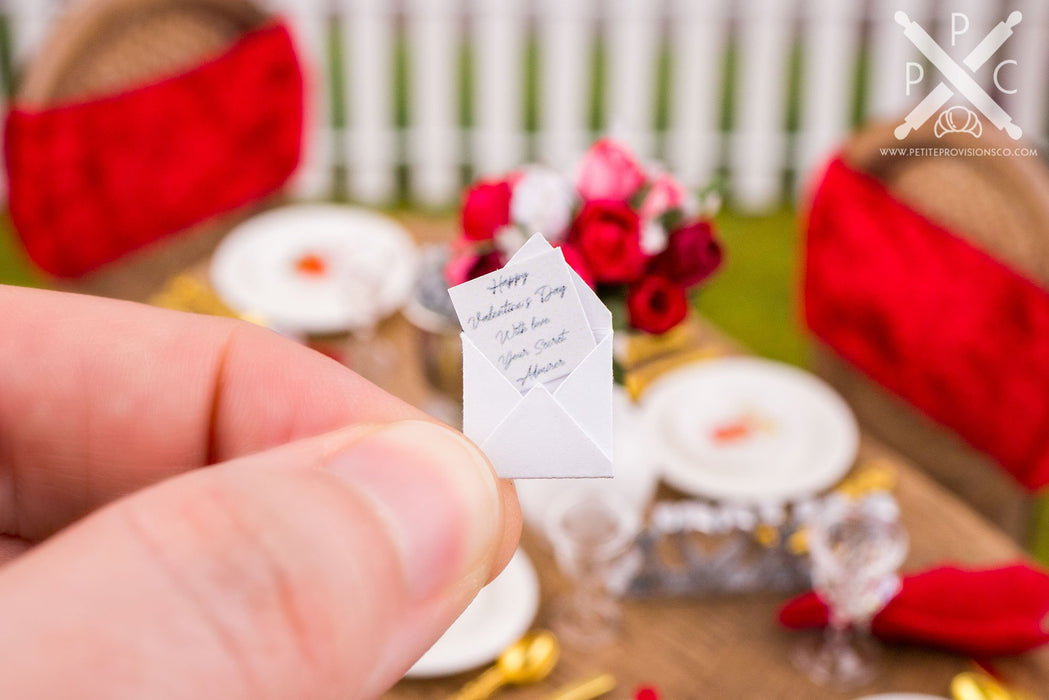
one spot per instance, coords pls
(526, 319)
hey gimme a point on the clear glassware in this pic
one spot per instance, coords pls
(368, 353)
(856, 548)
(439, 350)
(371, 355)
(589, 529)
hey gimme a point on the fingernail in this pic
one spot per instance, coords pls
(436, 495)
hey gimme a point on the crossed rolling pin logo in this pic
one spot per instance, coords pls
(960, 81)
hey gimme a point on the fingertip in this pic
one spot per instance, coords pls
(438, 496)
(510, 509)
(512, 523)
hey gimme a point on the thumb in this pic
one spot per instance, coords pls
(319, 569)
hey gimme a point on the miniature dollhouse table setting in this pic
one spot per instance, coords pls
(718, 646)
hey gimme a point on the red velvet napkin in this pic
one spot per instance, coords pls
(989, 612)
(878, 277)
(92, 180)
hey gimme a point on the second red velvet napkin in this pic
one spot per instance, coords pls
(977, 612)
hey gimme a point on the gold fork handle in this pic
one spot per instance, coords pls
(589, 689)
(483, 687)
(979, 686)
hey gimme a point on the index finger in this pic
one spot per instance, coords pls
(99, 398)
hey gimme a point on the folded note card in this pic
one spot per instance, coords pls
(537, 367)
(527, 318)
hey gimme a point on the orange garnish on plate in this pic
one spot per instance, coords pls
(742, 428)
(731, 432)
(311, 265)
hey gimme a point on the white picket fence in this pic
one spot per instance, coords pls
(757, 90)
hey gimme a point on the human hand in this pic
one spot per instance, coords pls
(196, 507)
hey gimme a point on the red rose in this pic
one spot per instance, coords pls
(575, 261)
(692, 254)
(486, 209)
(608, 234)
(656, 304)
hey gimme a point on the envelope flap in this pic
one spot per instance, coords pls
(539, 437)
(488, 396)
(597, 314)
(586, 394)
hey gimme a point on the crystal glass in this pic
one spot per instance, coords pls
(368, 353)
(856, 547)
(589, 529)
(437, 344)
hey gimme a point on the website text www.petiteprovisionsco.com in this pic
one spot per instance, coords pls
(958, 152)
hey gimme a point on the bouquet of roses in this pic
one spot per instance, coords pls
(635, 236)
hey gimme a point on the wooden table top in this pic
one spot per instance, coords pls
(714, 647)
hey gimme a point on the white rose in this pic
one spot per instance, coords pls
(542, 202)
(509, 239)
(653, 238)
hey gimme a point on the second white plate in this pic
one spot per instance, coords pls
(749, 430)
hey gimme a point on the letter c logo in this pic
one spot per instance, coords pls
(998, 84)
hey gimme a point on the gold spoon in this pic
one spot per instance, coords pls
(589, 689)
(971, 685)
(528, 660)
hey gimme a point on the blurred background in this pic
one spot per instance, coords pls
(751, 95)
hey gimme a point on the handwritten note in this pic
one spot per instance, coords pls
(527, 318)
(537, 368)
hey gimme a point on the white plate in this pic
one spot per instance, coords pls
(366, 268)
(748, 430)
(500, 615)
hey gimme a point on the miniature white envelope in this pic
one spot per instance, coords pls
(558, 429)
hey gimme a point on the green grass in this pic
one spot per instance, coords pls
(14, 266)
(753, 297)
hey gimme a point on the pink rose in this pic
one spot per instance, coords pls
(609, 171)
(664, 194)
